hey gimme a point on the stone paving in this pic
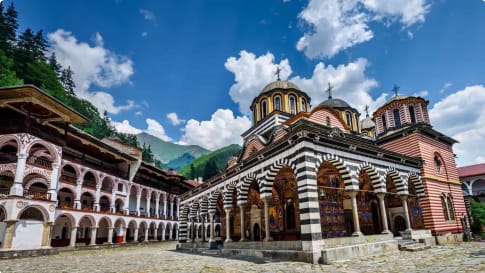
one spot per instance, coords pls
(161, 257)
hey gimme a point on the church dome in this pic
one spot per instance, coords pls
(367, 123)
(397, 97)
(279, 84)
(336, 103)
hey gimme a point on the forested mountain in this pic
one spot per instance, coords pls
(166, 151)
(211, 164)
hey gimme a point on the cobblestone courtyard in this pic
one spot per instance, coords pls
(160, 257)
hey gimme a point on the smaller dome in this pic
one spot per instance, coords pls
(336, 103)
(367, 123)
(279, 84)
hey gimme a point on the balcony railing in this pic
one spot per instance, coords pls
(66, 205)
(89, 183)
(4, 193)
(107, 189)
(8, 158)
(68, 178)
(29, 194)
(39, 162)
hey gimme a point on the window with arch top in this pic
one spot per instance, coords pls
(348, 117)
(264, 108)
(303, 105)
(437, 163)
(277, 102)
(384, 122)
(412, 114)
(397, 117)
(292, 104)
(447, 204)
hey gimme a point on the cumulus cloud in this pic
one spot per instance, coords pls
(154, 128)
(221, 130)
(148, 15)
(251, 74)
(350, 83)
(335, 25)
(445, 87)
(174, 119)
(93, 66)
(448, 116)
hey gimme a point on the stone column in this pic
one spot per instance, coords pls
(46, 236)
(176, 234)
(110, 235)
(266, 220)
(165, 207)
(170, 233)
(96, 206)
(138, 199)
(178, 210)
(157, 206)
(77, 198)
(171, 210)
(126, 207)
(155, 234)
(124, 235)
(382, 205)
(146, 235)
(54, 182)
(72, 240)
(203, 227)
(135, 235)
(149, 198)
(228, 230)
(196, 233)
(17, 188)
(404, 199)
(355, 214)
(9, 233)
(211, 220)
(243, 229)
(93, 236)
(112, 205)
(163, 233)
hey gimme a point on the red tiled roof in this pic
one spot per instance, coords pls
(194, 183)
(471, 170)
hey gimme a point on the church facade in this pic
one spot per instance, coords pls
(315, 184)
(60, 187)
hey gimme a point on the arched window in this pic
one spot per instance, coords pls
(412, 114)
(397, 117)
(384, 122)
(448, 209)
(120, 187)
(303, 105)
(328, 121)
(348, 116)
(292, 105)
(264, 109)
(277, 103)
(437, 163)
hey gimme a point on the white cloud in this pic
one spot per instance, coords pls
(221, 130)
(156, 129)
(422, 94)
(144, 34)
(138, 113)
(335, 25)
(148, 15)
(125, 127)
(350, 82)
(174, 119)
(449, 116)
(251, 74)
(93, 66)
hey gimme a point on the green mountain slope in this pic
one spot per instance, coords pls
(210, 164)
(167, 151)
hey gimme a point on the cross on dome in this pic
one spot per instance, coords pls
(277, 73)
(395, 89)
(329, 90)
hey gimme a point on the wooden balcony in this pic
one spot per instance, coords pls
(8, 158)
(39, 162)
(36, 195)
(68, 178)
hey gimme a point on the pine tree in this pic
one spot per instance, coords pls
(8, 29)
(192, 171)
(210, 169)
(40, 46)
(67, 81)
(56, 67)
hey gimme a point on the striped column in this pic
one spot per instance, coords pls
(311, 231)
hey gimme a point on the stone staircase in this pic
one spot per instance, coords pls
(411, 245)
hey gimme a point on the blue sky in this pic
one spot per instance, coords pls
(187, 70)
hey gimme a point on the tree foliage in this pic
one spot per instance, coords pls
(477, 211)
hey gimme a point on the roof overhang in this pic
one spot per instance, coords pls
(34, 102)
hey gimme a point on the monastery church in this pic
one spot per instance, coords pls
(312, 184)
(320, 184)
